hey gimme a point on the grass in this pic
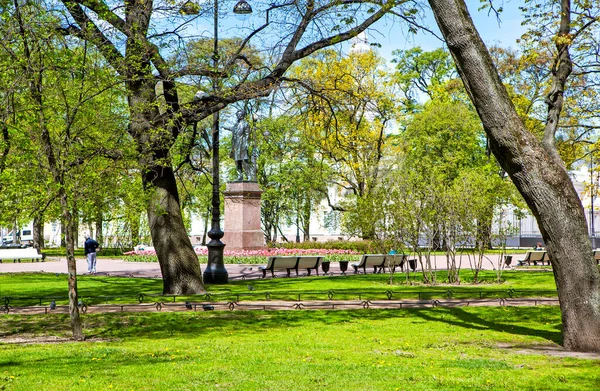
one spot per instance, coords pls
(428, 349)
(40, 288)
(478, 348)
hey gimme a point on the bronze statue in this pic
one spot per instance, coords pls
(239, 149)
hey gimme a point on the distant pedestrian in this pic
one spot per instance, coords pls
(89, 249)
(539, 247)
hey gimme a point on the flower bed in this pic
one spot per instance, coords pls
(250, 256)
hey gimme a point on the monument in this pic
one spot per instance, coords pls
(242, 197)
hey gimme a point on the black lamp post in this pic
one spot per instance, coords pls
(215, 272)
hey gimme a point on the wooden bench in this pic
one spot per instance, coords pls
(18, 254)
(535, 257)
(396, 260)
(289, 263)
(376, 261)
(309, 263)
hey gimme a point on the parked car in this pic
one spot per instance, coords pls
(26, 236)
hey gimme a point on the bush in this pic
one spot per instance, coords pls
(105, 251)
(359, 246)
(251, 256)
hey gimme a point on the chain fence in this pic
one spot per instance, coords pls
(280, 300)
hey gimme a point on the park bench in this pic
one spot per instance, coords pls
(535, 257)
(289, 263)
(18, 254)
(399, 260)
(376, 261)
(309, 263)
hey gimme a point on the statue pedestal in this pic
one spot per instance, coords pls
(242, 217)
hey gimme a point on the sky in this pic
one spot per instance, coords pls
(502, 33)
(391, 34)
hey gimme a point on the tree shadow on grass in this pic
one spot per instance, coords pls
(498, 319)
(160, 325)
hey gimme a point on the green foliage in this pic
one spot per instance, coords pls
(539, 50)
(419, 72)
(360, 246)
(445, 190)
(346, 108)
(445, 139)
(104, 252)
(66, 125)
(198, 54)
(291, 174)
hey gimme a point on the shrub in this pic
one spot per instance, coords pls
(251, 256)
(358, 246)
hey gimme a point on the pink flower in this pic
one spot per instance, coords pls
(268, 252)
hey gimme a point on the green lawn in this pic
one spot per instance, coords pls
(481, 348)
(36, 288)
(491, 348)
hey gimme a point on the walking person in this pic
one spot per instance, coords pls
(89, 249)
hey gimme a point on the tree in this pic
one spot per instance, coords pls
(535, 167)
(527, 77)
(443, 157)
(155, 123)
(289, 173)
(57, 116)
(422, 73)
(347, 108)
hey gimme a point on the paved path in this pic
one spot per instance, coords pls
(279, 305)
(119, 267)
(115, 267)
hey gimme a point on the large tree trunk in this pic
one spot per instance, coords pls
(99, 231)
(540, 177)
(16, 233)
(178, 260)
(63, 242)
(307, 209)
(134, 228)
(38, 233)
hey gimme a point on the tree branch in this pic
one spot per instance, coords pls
(561, 69)
(264, 86)
(89, 31)
(104, 12)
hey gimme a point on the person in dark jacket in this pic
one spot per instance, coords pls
(89, 249)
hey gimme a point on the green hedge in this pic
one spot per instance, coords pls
(105, 251)
(360, 246)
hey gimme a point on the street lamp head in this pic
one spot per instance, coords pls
(242, 9)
